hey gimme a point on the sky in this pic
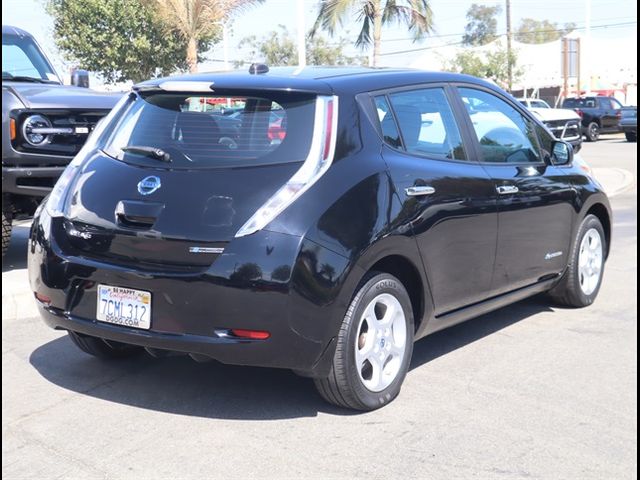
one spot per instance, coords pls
(449, 22)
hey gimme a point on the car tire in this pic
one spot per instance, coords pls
(593, 132)
(631, 137)
(7, 219)
(374, 346)
(581, 282)
(104, 349)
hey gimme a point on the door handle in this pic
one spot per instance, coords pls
(507, 189)
(420, 190)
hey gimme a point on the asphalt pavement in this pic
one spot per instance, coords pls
(529, 391)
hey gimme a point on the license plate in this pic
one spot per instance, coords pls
(124, 306)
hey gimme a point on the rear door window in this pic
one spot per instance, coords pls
(210, 131)
(427, 124)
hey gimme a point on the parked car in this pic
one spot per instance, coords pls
(44, 124)
(563, 123)
(629, 123)
(599, 115)
(398, 203)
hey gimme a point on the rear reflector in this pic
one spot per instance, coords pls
(43, 298)
(252, 334)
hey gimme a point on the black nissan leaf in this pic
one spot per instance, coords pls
(341, 215)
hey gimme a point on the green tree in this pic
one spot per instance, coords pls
(541, 31)
(198, 21)
(482, 24)
(492, 66)
(118, 39)
(373, 15)
(278, 48)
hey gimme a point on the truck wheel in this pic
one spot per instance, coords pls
(593, 132)
(631, 136)
(7, 217)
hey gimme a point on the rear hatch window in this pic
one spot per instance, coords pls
(212, 131)
(223, 158)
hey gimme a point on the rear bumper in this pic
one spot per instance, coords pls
(225, 350)
(190, 308)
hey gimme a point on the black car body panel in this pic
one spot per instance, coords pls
(461, 251)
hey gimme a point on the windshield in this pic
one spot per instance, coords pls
(183, 130)
(23, 60)
(579, 103)
(538, 104)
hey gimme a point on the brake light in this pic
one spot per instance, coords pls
(43, 298)
(323, 144)
(580, 112)
(275, 131)
(250, 334)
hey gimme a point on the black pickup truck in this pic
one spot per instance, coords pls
(44, 124)
(599, 115)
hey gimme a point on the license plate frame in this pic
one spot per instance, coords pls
(129, 307)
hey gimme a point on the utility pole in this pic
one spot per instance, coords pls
(509, 54)
(586, 45)
(565, 67)
(225, 44)
(302, 54)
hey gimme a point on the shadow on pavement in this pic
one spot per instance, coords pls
(16, 257)
(181, 386)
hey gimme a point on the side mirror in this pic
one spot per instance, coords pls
(562, 153)
(80, 78)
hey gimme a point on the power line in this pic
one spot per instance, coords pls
(457, 43)
(412, 50)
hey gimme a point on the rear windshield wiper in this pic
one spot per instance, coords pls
(152, 152)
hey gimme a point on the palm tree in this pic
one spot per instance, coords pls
(416, 14)
(197, 20)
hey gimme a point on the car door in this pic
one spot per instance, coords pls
(535, 198)
(447, 198)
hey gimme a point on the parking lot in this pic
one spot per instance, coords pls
(529, 391)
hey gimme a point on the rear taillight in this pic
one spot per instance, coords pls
(579, 112)
(43, 299)
(323, 144)
(276, 132)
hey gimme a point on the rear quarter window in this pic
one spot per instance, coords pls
(210, 131)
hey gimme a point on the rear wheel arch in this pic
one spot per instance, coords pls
(408, 274)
